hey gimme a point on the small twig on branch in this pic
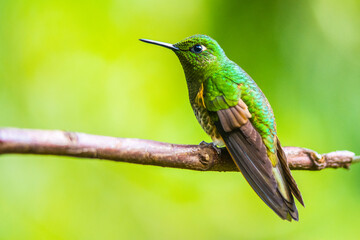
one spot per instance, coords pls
(194, 157)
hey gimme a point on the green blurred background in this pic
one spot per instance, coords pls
(78, 66)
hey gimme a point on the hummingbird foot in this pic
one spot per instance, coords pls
(212, 145)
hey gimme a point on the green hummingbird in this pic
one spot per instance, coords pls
(235, 113)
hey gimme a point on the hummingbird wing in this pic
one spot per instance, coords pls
(248, 151)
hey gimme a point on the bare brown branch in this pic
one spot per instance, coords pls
(195, 157)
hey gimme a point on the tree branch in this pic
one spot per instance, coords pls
(195, 157)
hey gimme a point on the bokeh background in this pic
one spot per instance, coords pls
(78, 66)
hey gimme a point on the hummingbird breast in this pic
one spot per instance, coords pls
(204, 118)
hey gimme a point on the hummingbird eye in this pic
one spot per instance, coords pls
(197, 48)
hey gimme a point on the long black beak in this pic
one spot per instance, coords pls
(167, 45)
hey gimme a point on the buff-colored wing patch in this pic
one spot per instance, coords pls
(234, 117)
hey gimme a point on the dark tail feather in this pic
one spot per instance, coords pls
(249, 153)
(286, 172)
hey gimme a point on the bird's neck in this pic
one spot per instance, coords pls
(196, 76)
(194, 80)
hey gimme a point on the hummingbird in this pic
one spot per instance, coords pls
(235, 113)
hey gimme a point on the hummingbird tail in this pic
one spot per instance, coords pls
(250, 155)
(287, 174)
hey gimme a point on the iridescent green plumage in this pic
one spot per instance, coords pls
(232, 109)
(223, 77)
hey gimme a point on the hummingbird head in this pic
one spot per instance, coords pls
(197, 53)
